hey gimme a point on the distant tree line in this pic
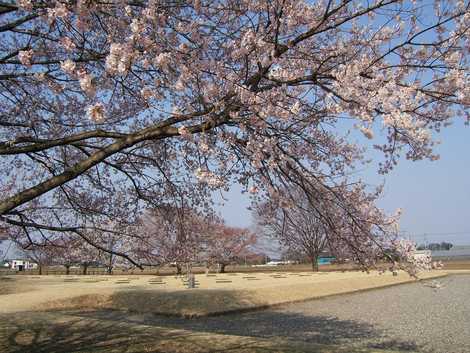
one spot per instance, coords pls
(436, 246)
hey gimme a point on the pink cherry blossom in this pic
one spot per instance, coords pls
(26, 4)
(96, 112)
(25, 57)
(86, 82)
(67, 43)
(68, 66)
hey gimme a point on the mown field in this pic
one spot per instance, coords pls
(170, 295)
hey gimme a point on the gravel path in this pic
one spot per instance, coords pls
(410, 317)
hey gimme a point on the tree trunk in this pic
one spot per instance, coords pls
(109, 270)
(178, 269)
(222, 268)
(314, 263)
(40, 270)
(85, 268)
(67, 269)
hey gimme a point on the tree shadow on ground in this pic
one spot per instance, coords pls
(183, 302)
(119, 332)
(353, 336)
(261, 324)
(59, 333)
(393, 344)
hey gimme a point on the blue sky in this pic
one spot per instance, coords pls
(434, 196)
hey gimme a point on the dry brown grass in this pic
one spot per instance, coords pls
(237, 293)
(456, 264)
(10, 285)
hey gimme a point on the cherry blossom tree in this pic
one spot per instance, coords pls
(89, 256)
(40, 256)
(225, 245)
(346, 221)
(65, 252)
(114, 240)
(299, 228)
(114, 243)
(109, 109)
(171, 236)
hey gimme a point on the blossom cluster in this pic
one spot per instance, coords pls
(119, 59)
(25, 57)
(209, 178)
(96, 112)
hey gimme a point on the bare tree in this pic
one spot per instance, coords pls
(298, 227)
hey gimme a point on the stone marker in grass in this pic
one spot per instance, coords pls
(70, 279)
(191, 281)
(223, 281)
(156, 281)
(122, 281)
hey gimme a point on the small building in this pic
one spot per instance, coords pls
(325, 260)
(22, 265)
